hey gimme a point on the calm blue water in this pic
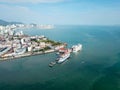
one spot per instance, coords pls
(96, 67)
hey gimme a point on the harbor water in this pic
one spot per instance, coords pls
(96, 67)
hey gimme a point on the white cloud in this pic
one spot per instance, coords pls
(25, 14)
(17, 13)
(59, 14)
(32, 1)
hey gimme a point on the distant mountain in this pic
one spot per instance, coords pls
(4, 23)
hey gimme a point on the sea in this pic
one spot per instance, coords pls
(95, 67)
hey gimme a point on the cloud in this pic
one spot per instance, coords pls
(72, 13)
(17, 13)
(26, 15)
(32, 1)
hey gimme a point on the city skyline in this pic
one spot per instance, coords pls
(75, 12)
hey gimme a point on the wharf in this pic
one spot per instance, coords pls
(26, 55)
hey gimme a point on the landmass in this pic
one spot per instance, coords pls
(16, 44)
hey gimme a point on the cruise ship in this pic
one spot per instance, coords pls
(63, 55)
(76, 48)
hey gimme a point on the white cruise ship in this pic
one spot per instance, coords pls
(76, 48)
(63, 56)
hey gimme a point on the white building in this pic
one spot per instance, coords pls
(42, 44)
(29, 48)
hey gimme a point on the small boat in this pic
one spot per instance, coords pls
(52, 64)
(76, 48)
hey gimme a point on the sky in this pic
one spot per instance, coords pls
(62, 12)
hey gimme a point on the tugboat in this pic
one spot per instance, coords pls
(76, 48)
(52, 64)
(63, 55)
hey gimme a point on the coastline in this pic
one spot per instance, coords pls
(27, 55)
(15, 44)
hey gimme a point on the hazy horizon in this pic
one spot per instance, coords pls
(62, 12)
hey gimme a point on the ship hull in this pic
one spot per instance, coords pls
(60, 60)
(77, 48)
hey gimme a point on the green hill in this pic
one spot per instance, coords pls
(4, 23)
